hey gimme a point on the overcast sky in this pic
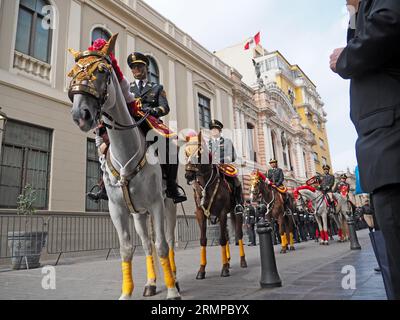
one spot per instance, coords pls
(305, 31)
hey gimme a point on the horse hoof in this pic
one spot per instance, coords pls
(225, 272)
(124, 297)
(283, 251)
(174, 298)
(177, 287)
(150, 291)
(292, 249)
(201, 275)
(326, 243)
(243, 263)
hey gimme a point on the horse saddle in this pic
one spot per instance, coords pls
(228, 170)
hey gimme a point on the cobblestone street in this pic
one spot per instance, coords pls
(311, 272)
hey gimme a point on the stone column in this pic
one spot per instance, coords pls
(73, 37)
(192, 116)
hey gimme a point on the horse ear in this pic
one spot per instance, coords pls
(74, 52)
(110, 45)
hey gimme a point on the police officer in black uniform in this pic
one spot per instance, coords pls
(223, 152)
(250, 218)
(327, 180)
(154, 100)
(275, 175)
(342, 183)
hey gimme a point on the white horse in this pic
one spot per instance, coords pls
(133, 185)
(319, 209)
(343, 210)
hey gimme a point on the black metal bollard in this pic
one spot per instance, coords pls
(269, 273)
(354, 244)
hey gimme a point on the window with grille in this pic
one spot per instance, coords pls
(33, 37)
(204, 111)
(154, 74)
(100, 33)
(93, 178)
(25, 159)
(250, 142)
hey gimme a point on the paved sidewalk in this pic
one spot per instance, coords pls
(311, 272)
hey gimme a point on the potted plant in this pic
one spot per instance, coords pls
(26, 246)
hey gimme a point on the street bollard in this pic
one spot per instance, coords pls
(354, 244)
(269, 272)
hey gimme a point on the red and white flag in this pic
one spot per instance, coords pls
(255, 40)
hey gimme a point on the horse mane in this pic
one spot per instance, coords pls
(296, 191)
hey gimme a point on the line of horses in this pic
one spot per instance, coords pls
(135, 187)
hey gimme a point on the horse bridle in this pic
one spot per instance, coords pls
(270, 204)
(87, 87)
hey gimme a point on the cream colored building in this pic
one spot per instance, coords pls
(269, 126)
(41, 144)
(297, 103)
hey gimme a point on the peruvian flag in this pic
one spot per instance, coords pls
(255, 40)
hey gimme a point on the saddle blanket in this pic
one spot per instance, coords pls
(229, 170)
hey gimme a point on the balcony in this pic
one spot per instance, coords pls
(32, 66)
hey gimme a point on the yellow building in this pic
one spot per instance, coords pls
(276, 70)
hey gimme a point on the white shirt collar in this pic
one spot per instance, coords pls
(144, 82)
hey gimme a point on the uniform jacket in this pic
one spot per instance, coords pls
(222, 151)
(153, 97)
(276, 176)
(339, 186)
(327, 182)
(371, 61)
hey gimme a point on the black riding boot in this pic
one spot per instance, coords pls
(237, 192)
(173, 190)
(100, 195)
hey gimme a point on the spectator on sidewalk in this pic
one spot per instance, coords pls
(371, 61)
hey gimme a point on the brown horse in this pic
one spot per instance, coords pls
(214, 200)
(260, 187)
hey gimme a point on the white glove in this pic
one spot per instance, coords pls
(99, 141)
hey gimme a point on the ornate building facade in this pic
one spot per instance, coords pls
(296, 109)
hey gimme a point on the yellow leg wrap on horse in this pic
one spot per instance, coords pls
(241, 248)
(223, 254)
(127, 281)
(171, 256)
(291, 239)
(283, 240)
(168, 275)
(203, 256)
(228, 251)
(151, 274)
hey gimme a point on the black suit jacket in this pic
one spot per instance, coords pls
(371, 60)
(153, 96)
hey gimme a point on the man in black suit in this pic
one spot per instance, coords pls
(371, 61)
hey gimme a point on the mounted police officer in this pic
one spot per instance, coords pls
(327, 183)
(342, 185)
(276, 176)
(154, 100)
(223, 152)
